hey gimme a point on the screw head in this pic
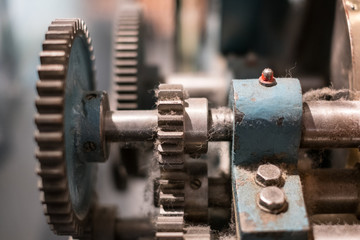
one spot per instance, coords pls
(268, 175)
(195, 184)
(89, 146)
(267, 78)
(272, 199)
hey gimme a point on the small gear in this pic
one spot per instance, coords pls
(170, 145)
(66, 72)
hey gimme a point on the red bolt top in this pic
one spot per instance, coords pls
(267, 77)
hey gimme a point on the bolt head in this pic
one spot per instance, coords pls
(272, 199)
(268, 175)
(268, 74)
(267, 78)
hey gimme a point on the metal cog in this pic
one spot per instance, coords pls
(170, 145)
(127, 57)
(66, 71)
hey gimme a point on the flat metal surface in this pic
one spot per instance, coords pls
(79, 79)
(253, 223)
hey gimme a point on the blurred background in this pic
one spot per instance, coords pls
(22, 28)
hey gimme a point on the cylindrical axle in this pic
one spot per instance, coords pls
(141, 125)
(129, 126)
(325, 124)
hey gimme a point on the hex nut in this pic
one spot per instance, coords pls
(272, 199)
(268, 175)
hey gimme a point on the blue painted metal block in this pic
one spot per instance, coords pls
(267, 122)
(253, 223)
(267, 128)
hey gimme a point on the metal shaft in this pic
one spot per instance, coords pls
(332, 191)
(141, 125)
(325, 124)
(329, 124)
(129, 126)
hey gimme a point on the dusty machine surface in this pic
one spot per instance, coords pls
(213, 111)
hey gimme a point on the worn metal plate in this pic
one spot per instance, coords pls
(253, 223)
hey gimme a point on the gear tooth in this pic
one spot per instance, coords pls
(72, 21)
(164, 120)
(52, 186)
(56, 44)
(171, 212)
(53, 157)
(55, 26)
(57, 208)
(125, 71)
(126, 47)
(170, 223)
(172, 199)
(127, 33)
(58, 35)
(51, 172)
(54, 198)
(125, 80)
(171, 149)
(126, 106)
(176, 106)
(51, 71)
(131, 63)
(48, 122)
(49, 138)
(125, 97)
(127, 27)
(52, 57)
(60, 218)
(168, 136)
(169, 236)
(126, 89)
(49, 104)
(50, 88)
(126, 55)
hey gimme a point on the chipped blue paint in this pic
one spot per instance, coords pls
(267, 128)
(267, 121)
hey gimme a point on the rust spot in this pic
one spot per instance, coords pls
(239, 116)
(280, 121)
(267, 218)
(236, 96)
(246, 222)
(253, 99)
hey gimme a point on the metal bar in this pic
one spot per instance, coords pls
(220, 124)
(331, 191)
(141, 125)
(128, 126)
(331, 124)
(325, 124)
